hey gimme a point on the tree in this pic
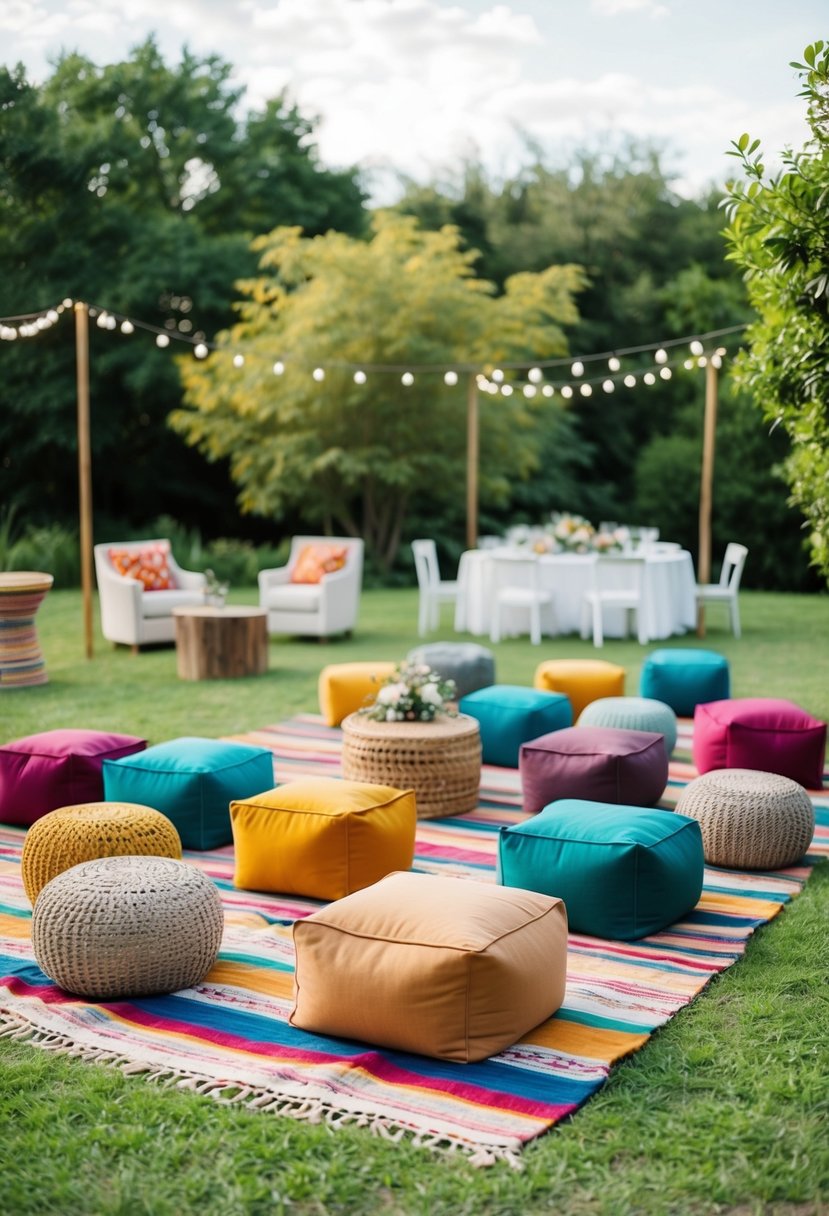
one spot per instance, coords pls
(358, 453)
(778, 233)
(136, 186)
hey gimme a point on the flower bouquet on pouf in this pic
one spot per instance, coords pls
(412, 693)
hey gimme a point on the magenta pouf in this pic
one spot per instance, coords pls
(595, 764)
(57, 768)
(762, 733)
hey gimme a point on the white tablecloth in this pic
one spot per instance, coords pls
(668, 589)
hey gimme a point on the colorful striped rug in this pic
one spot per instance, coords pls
(230, 1037)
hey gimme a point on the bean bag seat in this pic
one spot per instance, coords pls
(594, 763)
(632, 713)
(471, 666)
(425, 963)
(345, 688)
(509, 715)
(622, 871)
(750, 820)
(684, 677)
(56, 768)
(582, 680)
(774, 736)
(127, 926)
(192, 781)
(322, 837)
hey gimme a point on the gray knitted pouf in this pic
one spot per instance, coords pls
(749, 820)
(127, 926)
(469, 665)
(632, 713)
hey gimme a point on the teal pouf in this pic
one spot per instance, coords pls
(192, 781)
(685, 678)
(623, 871)
(511, 714)
(632, 713)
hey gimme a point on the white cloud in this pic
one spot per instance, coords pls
(614, 8)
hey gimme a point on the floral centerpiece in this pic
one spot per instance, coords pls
(572, 533)
(215, 590)
(412, 693)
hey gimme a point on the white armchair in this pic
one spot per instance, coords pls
(317, 609)
(132, 615)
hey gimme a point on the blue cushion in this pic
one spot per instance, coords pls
(684, 678)
(622, 871)
(632, 713)
(192, 781)
(511, 714)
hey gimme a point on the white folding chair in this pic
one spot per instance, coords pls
(434, 590)
(616, 584)
(517, 587)
(727, 589)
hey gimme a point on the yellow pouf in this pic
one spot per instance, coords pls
(322, 837)
(582, 680)
(73, 834)
(346, 687)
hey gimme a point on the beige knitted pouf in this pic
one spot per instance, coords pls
(749, 820)
(127, 926)
(73, 834)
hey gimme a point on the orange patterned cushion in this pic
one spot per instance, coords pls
(316, 560)
(150, 565)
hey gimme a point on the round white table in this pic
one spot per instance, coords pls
(668, 592)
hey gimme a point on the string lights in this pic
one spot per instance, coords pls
(566, 377)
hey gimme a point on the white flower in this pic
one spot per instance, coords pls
(391, 715)
(390, 694)
(430, 694)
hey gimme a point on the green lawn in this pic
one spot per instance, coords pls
(725, 1110)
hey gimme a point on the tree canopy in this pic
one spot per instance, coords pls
(358, 453)
(778, 234)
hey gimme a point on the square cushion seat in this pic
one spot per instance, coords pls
(622, 871)
(192, 781)
(344, 688)
(293, 597)
(764, 733)
(595, 763)
(684, 677)
(471, 666)
(509, 715)
(633, 713)
(162, 603)
(582, 680)
(40, 773)
(425, 963)
(322, 837)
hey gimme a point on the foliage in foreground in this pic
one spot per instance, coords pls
(779, 234)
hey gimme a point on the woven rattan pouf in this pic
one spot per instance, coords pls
(632, 713)
(127, 926)
(72, 834)
(749, 820)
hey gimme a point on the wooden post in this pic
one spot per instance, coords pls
(472, 457)
(709, 433)
(84, 468)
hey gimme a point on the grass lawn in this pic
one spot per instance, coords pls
(725, 1110)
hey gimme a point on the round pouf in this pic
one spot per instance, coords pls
(749, 820)
(127, 926)
(632, 713)
(471, 666)
(72, 834)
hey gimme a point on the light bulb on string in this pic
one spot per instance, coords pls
(665, 373)
(102, 320)
(200, 350)
(529, 390)
(630, 381)
(53, 315)
(497, 375)
(535, 375)
(660, 356)
(548, 390)
(649, 378)
(359, 377)
(566, 391)
(450, 378)
(162, 340)
(586, 390)
(127, 327)
(238, 360)
(67, 303)
(506, 390)
(278, 367)
(577, 369)
(111, 322)
(716, 361)
(614, 364)
(696, 347)
(319, 374)
(407, 379)
(608, 386)
(702, 361)
(688, 364)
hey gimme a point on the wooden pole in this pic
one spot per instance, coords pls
(472, 456)
(709, 433)
(84, 468)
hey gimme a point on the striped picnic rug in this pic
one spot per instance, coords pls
(230, 1037)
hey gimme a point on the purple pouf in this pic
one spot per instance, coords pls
(594, 763)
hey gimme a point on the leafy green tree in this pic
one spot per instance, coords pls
(359, 453)
(778, 234)
(136, 187)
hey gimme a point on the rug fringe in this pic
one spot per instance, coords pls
(309, 1109)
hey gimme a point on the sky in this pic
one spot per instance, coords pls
(419, 86)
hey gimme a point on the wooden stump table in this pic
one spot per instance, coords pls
(21, 659)
(221, 643)
(440, 760)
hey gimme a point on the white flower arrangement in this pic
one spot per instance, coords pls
(412, 693)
